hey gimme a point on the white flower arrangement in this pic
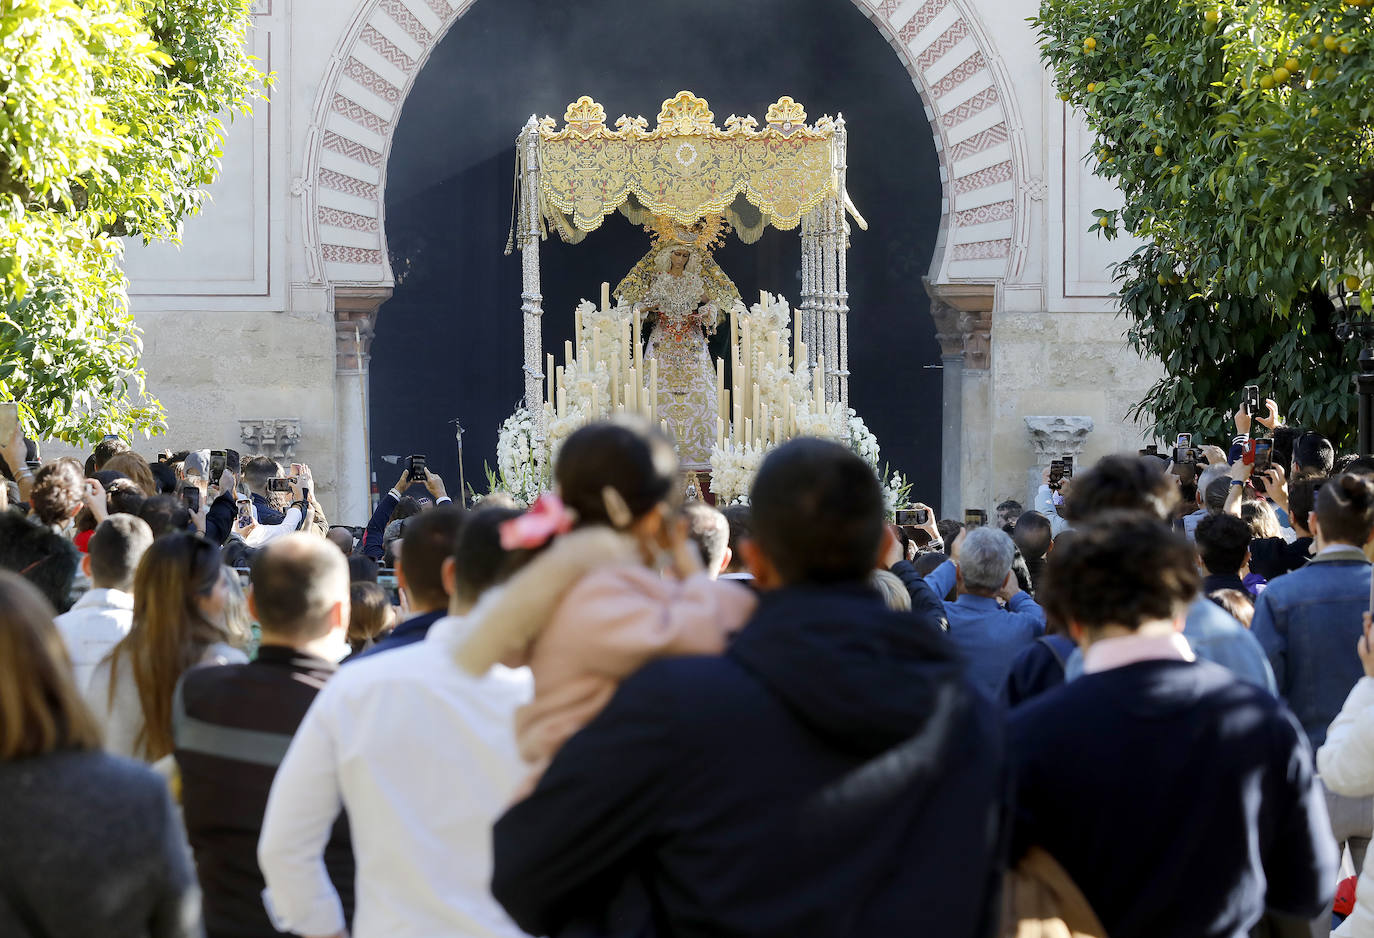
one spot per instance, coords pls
(861, 440)
(517, 472)
(733, 468)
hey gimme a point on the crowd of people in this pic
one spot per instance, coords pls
(1144, 708)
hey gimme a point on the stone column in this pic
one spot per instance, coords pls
(355, 317)
(952, 413)
(975, 472)
(1052, 438)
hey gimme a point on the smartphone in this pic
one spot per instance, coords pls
(233, 461)
(9, 420)
(1184, 455)
(415, 465)
(296, 470)
(1250, 399)
(1068, 466)
(278, 485)
(190, 495)
(245, 512)
(1263, 452)
(1056, 473)
(218, 463)
(912, 516)
(975, 518)
(1185, 441)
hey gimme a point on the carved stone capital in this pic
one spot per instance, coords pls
(355, 320)
(947, 331)
(976, 328)
(1053, 437)
(275, 437)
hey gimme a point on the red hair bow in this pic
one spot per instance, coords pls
(535, 527)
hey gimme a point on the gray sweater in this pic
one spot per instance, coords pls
(90, 846)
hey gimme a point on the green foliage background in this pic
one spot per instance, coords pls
(1241, 136)
(110, 127)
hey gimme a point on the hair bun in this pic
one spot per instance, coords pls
(1359, 489)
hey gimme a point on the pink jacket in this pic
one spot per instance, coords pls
(586, 614)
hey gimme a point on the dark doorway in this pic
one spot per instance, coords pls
(449, 342)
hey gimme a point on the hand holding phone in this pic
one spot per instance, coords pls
(190, 496)
(975, 518)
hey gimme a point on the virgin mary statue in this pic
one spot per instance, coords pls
(682, 314)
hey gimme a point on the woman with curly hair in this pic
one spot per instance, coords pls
(59, 491)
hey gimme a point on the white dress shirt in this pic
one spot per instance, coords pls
(98, 621)
(423, 758)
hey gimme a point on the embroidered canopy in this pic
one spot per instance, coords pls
(685, 168)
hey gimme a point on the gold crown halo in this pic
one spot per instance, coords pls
(705, 234)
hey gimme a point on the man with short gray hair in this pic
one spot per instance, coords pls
(993, 619)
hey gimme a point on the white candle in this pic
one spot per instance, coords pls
(773, 346)
(818, 390)
(653, 389)
(747, 362)
(754, 404)
(764, 423)
(749, 431)
(791, 419)
(739, 424)
(562, 399)
(763, 299)
(720, 433)
(596, 348)
(629, 397)
(605, 296)
(567, 353)
(633, 402)
(663, 425)
(553, 384)
(801, 357)
(777, 429)
(577, 325)
(797, 345)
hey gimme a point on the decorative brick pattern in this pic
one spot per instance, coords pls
(888, 7)
(982, 250)
(997, 211)
(360, 115)
(407, 21)
(339, 182)
(439, 8)
(352, 149)
(961, 73)
(979, 142)
(343, 254)
(387, 49)
(921, 19)
(979, 102)
(947, 40)
(998, 172)
(372, 81)
(338, 218)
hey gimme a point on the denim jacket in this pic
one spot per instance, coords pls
(1308, 622)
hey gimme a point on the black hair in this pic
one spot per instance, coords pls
(362, 569)
(1122, 482)
(123, 496)
(1302, 498)
(427, 541)
(257, 470)
(1033, 535)
(949, 529)
(1314, 453)
(1122, 568)
(164, 477)
(1222, 541)
(44, 558)
(1345, 509)
(165, 514)
(480, 560)
(741, 528)
(818, 513)
(625, 455)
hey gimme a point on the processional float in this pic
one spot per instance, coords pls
(686, 181)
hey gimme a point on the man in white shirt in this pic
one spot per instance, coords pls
(423, 758)
(104, 615)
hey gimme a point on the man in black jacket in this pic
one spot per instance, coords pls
(833, 773)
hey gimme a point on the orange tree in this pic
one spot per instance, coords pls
(1240, 134)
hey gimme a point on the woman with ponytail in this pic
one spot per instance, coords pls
(180, 621)
(616, 584)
